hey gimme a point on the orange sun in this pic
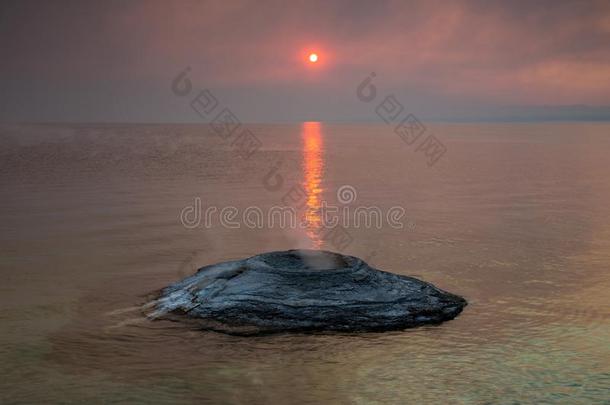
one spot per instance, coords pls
(313, 57)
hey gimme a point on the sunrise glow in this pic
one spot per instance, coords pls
(313, 57)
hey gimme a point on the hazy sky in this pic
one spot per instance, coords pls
(115, 60)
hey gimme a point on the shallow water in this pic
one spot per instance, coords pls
(515, 217)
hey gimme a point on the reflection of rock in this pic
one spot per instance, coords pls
(303, 290)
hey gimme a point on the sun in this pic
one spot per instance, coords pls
(313, 57)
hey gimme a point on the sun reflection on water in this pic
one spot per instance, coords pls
(313, 169)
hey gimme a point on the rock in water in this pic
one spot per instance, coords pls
(304, 290)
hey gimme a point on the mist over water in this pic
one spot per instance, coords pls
(514, 217)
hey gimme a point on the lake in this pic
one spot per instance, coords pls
(515, 217)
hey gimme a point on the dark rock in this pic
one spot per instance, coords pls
(303, 290)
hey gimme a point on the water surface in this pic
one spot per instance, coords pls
(515, 217)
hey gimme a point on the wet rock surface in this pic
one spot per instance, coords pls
(303, 290)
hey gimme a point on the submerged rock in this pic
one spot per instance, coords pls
(303, 290)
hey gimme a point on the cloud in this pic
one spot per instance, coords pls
(433, 53)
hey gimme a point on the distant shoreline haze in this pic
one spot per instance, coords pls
(576, 113)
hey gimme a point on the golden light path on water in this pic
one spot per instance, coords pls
(313, 168)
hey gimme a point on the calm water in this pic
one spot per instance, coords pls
(516, 218)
